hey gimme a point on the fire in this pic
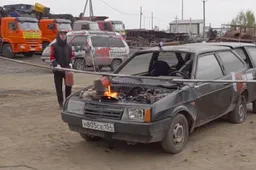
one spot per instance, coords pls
(109, 93)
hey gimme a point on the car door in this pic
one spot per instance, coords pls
(207, 103)
(251, 72)
(232, 65)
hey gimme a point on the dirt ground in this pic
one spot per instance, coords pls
(33, 136)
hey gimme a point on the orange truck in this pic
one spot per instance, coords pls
(19, 35)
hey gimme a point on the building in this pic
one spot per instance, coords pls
(194, 27)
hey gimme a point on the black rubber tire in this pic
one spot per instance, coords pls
(79, 64)
(114, 64)
(89, 138)
(44, 45)
(236, 116)
(29, 54)
(254, 107)
(7, 51)
(168, 143)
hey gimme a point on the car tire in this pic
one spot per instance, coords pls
(239, 114)
(114, 64)
(89, 137)
(254, 107)
(177, 135)
(7, 51)
(44, 45)
(79, 64)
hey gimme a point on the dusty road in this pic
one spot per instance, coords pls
(33, 135)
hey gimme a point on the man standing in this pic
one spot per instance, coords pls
(61, 56)
(14, 13)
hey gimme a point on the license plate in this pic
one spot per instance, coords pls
(107, 127)
(32, 49)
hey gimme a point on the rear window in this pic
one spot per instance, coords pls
(98, 41)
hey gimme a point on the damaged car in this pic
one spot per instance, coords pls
(149, 106)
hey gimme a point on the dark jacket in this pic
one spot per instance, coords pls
(61, 53)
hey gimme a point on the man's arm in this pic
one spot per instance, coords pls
(52, 57)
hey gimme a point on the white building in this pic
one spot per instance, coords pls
(187, 26)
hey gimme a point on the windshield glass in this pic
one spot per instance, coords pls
(28, 26)
(64, 26)
(94, 26)
(163, 63)
(118, 27)
(101, 41)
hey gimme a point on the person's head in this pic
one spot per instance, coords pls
(63, 35)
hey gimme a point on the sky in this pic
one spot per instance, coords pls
(164, 11)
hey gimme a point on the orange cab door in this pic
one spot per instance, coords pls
(12, 31)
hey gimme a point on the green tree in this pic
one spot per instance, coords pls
(244, 18)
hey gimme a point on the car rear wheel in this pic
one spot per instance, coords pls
(89, 137)
(239, 114)
(114, 64)
(79, 64)
(177, 135)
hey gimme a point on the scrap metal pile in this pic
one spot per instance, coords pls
(142, 37)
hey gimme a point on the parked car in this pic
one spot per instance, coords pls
(108, 48)
(147, 110)
(247, 51)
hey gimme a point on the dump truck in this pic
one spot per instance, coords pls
(19, 35)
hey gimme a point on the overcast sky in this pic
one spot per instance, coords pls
(164, 11)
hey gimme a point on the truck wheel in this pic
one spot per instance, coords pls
(114, 64)
(177, 135)
(79, 64)
(89, 137)
(44, 45)
(29, 54)
(7, 51)
(239, 114)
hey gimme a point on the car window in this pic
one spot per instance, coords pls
(231, 62)
(252, 51)
(98, 41)
(208, 68)
(241, 53)
(115, 42)
(79, 40)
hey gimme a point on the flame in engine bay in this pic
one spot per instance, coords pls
(110, 94)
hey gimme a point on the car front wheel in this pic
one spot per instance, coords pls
(79, 64)
(177, 135)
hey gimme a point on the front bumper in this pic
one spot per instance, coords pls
(28, 48)
(125, 131)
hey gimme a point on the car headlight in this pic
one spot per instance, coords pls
(75, 107)
(138, 115)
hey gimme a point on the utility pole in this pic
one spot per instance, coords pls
(90, 8)
(140, 16)
(176, 19)
(152, 24)
(204, 1)
(182, 9)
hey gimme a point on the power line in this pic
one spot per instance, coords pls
(117, 9)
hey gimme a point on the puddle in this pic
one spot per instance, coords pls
(20, 93)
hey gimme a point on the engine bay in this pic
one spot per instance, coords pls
(128, 93)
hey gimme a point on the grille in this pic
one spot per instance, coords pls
(103, 111)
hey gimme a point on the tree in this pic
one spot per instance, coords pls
(244, 18)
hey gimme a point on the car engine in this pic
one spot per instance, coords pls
(128, 93)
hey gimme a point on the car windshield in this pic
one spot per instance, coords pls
(163, 63)
(118, 26)
(94, 26)
(28, 25)
(101, 41)
(64, 26)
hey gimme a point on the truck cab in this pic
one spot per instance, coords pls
(85, 25)
(116, 26)
(51, 27)
(19, 35)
